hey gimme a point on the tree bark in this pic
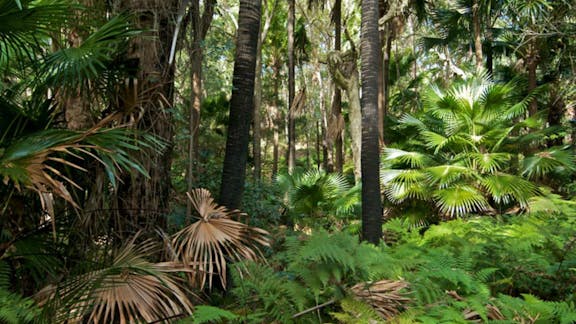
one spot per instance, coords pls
(241, 105)
(345, 74)
(337, 99)
(256, 147)
(199, 29)
(477, 34)
(532, 65)
(142, 201)
(291, 88)
(371, 200)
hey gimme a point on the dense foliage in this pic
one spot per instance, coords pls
(115, 118)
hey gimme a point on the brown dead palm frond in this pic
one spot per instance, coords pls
(206, 245)
(385, 296)
(131, 290)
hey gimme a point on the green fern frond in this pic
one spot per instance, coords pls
(209, 314)
(355, 311)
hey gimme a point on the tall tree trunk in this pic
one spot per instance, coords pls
(489, 51)
(291, 87)
(344, 71)
(199, 28)
(477, 34)
(256, 147)
(276, 117)
(383, 85)
(371, 58)
(241, 105)
(532, 65)
(142, 201)
(337, 99)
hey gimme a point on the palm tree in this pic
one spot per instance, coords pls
(209, 244)
(370, 54)
(241, 105)
(129, 290)
(320, 198)
(143, 201)
(464, 157)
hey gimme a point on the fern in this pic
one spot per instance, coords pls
(209, 314)
(275, 296)
(14, 309)
(356, 312)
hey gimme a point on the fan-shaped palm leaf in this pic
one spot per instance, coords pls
(32, 161)
(444, 175)
(459, 200)
(505, 188)
(131, 290)
(412, 159)
(545, 162)
(72, 67)
(24, 23)
(488, 162)
(387, 297)
(400, 185)
(206, 245)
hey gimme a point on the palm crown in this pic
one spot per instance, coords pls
(469, 153)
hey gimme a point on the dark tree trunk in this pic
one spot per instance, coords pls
(241, 105)
(532, 65)
(371, 201)
(337, 99)
(291, 87)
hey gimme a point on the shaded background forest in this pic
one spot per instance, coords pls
(121, 120)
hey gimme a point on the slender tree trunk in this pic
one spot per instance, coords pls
(532, 65)
(256, 148)
(344, 71)
(489, 51)
(200, 23)
(337, 99)
(371, 58)
(241, 105)
(291, 88)
(275, 118)
(477, 34)
(384, 80)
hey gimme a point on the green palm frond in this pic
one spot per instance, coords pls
(545, 162)
(206, 245)
(488, 162)
(25, 24)
(38, 161)
(72, 67)
(506, 188)
(411, 159)
(445, 175)
(130, 290)
(400, 185)
(459, 200)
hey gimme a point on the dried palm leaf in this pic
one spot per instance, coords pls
(385, 296)
(131, 290)
(206, 244)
